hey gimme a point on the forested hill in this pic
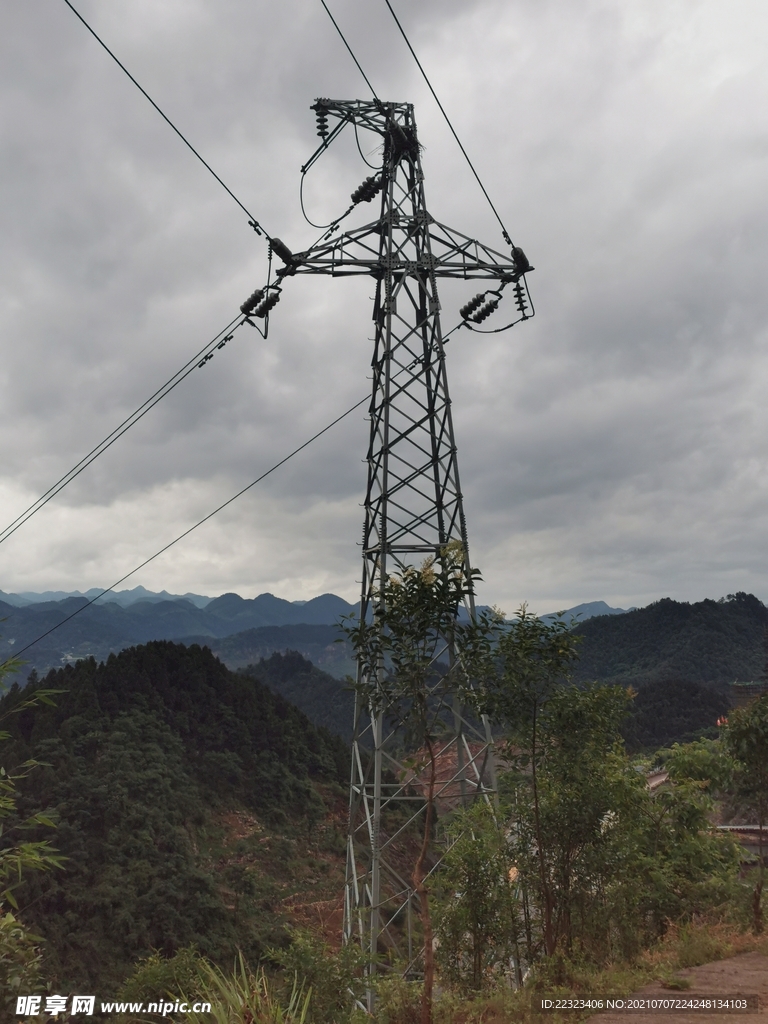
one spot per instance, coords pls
(714, 642)
(325, 700)
(147, 758)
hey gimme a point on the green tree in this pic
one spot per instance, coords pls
(705, 761)
(588, 790)
(415, 626)
(243, 884)
(20, 956)
(156, 975)
(603, 861)
(683, 867)
(476, 915)
(334, 976)
(746, 736)
(572, 830)
(530, 661)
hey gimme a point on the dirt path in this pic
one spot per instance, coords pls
(745, 974)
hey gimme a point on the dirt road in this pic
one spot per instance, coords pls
(745, 974)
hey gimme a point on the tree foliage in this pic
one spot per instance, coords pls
(138, 751)
(20, 954)
(478, 920)
(334, 976)
(746, 735)
(414, 657)
(618, 860)
(527, 665)
(705, 642)
(603, 862)
(671, 710)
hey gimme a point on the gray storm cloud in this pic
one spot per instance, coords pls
(614, 447)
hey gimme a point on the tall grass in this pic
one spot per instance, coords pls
(245, 997)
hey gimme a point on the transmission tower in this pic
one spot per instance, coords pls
(413, 499)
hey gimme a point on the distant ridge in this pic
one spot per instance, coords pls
(325, 646)
(121, 597)
(588, 610)
(108, 627)
(708, 642)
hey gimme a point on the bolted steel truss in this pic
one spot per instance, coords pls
(413, 500)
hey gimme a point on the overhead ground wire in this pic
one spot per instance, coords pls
(254, 223)
(192, 364)
(191, 529)
(351, 52)
(504, 231)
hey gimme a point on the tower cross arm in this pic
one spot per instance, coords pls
(448, 253)
(458, 255)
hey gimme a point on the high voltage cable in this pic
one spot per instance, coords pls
(205, 519)
(195, 362)
(191, 529)
(254, 223)
(351, 52)
(504, 231)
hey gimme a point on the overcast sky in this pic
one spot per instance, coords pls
(615, 447)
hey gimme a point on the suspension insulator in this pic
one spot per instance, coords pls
(467, 310)
(252, 301)
(522, 266)
(321, 113)
(367, 191)
(485, 311)
(282, 250)
(266, 304)
(520, 300)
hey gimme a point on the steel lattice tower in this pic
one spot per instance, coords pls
(413, 500)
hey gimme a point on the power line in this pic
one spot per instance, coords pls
(194, 363)
(254, 223)
(504, 231)
(206, 352)
(351, 53)
(205, 519)
(191, 529)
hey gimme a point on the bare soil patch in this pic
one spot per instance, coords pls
(744, 974)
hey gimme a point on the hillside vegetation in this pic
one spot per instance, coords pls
(190, 804)
(326, 701)
(197, 807)
(671, 711)
(325, 646)
(711, 642)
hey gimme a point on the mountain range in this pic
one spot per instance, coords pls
(121, 597)
(239, 630)
(707, 642)
(108, 627)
